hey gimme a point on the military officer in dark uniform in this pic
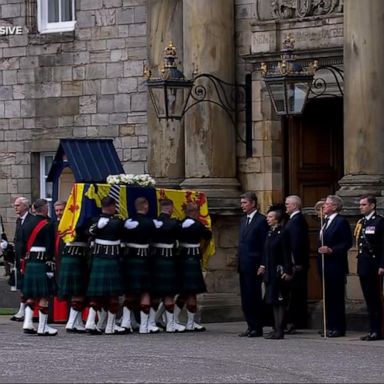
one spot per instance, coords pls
(39, 283)
(138, 232)
(192, 232)
(105, 285)
(164, 275)
(369, 234)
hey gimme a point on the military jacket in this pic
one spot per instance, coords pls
(370, 244)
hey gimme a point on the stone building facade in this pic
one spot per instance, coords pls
(88, 82)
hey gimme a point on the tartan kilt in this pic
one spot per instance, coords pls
(191, 277)
(136, 274)
(36, 284)
(104, 277)
(164, 276)
(73, 278)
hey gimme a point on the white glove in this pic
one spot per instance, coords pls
(187, 223)
(4, 244)
(49, 274)
(103, 221)
(158, 223)
(130, 224)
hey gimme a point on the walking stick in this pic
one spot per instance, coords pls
(322, 273)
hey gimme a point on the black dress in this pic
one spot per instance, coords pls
(276, 261)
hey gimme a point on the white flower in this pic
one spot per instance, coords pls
(113, 179)
(143, 180)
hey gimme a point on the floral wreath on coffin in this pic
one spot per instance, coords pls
(143, 180)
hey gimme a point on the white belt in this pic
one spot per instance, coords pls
(139, 246)
(187, 245)
(76, 244)
(162, 245)
(37, 249)
(107, 242)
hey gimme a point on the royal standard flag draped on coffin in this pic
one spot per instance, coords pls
(84, 202)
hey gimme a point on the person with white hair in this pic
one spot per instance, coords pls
(21, 206)
(298, 248)
(335, 239)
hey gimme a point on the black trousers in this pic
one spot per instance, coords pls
(372, 287)
(251, 300)
(335, 302)
(297, 303)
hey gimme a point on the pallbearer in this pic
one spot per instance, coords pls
(191, 275)
(105, 285)
(164, 279)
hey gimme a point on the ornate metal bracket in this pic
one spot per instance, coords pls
(173, 95)
(321, 88)
(230, 97)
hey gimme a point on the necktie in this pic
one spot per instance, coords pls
(325, 223)
(248, 220)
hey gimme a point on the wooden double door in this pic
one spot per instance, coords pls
(313, 164)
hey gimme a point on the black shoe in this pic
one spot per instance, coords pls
(335, 334)
(95, 331)
(29, 331)
(372, 336)
(255, 333)
(245, 333)
(75, 330)
(321, 332)
(274, 336)
(14, 318)
(291, 330)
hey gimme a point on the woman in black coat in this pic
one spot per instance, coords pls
(277, 269)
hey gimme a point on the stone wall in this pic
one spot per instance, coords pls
(86, 83)
(262, 172)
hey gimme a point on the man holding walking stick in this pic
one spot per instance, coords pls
(335, 239)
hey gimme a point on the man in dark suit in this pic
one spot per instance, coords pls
(369, 234)
(21, 206)
(334, 242)
(252, 235)
(298, 247)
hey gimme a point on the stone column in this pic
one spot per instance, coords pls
(363, 100)
(165, 138)
(210, 141)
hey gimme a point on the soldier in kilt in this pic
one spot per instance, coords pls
(73, 278)
(190, 273)
(21, 206)
(38, 236)
(105, 285)
(136, 268)
(164, 274)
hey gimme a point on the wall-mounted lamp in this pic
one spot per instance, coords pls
(290, 83)
(173, 95)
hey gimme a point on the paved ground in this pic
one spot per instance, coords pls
(216, 356)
